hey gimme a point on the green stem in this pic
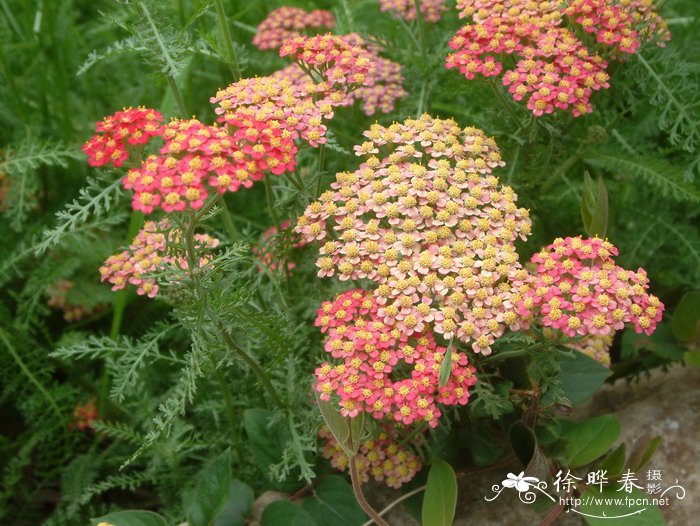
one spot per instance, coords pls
(33, 379)
(271, 200)
(230, 51)
(321, 165)
(421, 32)
(504, 102)
(357, 488)
(226, 394)
(228, 222)
(178, 96)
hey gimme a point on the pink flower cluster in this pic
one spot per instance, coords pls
(580, 291)
(430, 225)
(196, 155)
(597, 346)
(554, 70)
(265, 251)
(117, 133)
(149, 254)
(384, 369)
(406, 9)
(286, 22)
(333, 62)
(59, 299)
(383, 457)
(84, 416)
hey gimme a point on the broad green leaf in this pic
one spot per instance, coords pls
(267, 443)
(661, 342)
(588, 440)
(692, 358)
(334, 503)
(523, 442)
(686, 317)
(600, 508)
(440, 498)
(131, 518)
(238, 505)
(284, 513)
(642, 452)
(594, 206)
(336, 422)
(615, 461)
(581, 376)
(211, 491)
(357, 427)
(484, 447)
(446, 366)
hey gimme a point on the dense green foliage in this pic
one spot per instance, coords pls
(171, 389)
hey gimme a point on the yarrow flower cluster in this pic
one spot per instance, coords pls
(383, 458)
(59, 299)
(579, 290)
(430, 9)
(148, 254)
(386, 370)
(553, 70)
(597, 346)
(265, 249)
(431, 226)
(285, 23)
(130, 127)
(334, 63)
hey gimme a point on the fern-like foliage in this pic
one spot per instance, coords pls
(670, 83)
(652, 170)
(94, 202)
(121, 47)
(20, 162)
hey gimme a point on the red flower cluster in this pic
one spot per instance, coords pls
(286, 22)
(385, 371)
(384, 458)
(580, 291)
(553, 70)
(59, 298)
(84, 416)
(118, 132)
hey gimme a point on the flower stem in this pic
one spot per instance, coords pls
(226, 394)
(321, 165)
(271, 200)
(357, 488)
(228, 222)
(178, 96)
(504, 102)
(421, 32)
(230, 51)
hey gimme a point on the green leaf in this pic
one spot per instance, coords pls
(284, 513)
(484, 447)
(336, 422)
(357, 427)
(440, 498)
(581, 376)
(686, 317)
(602, 508)
(211, 492)
(446, 366)
(238, 505)
(692, 358)
(615, 461)
(594, 206)
(642, 452)
(662, 343)
(267, 442)
(588, 440)
(334, 503)
(523, 442)
(131, 518)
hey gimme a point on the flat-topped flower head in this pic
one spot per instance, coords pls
(424, 218)
(148, 255)
(382, 457)
(118, 133)
(430, 9)
(84, 415)
(389, 370)
(579, 290)
(286, 22)
(554, 70)
(333, 62)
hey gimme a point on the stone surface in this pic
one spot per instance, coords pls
(666, 405)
